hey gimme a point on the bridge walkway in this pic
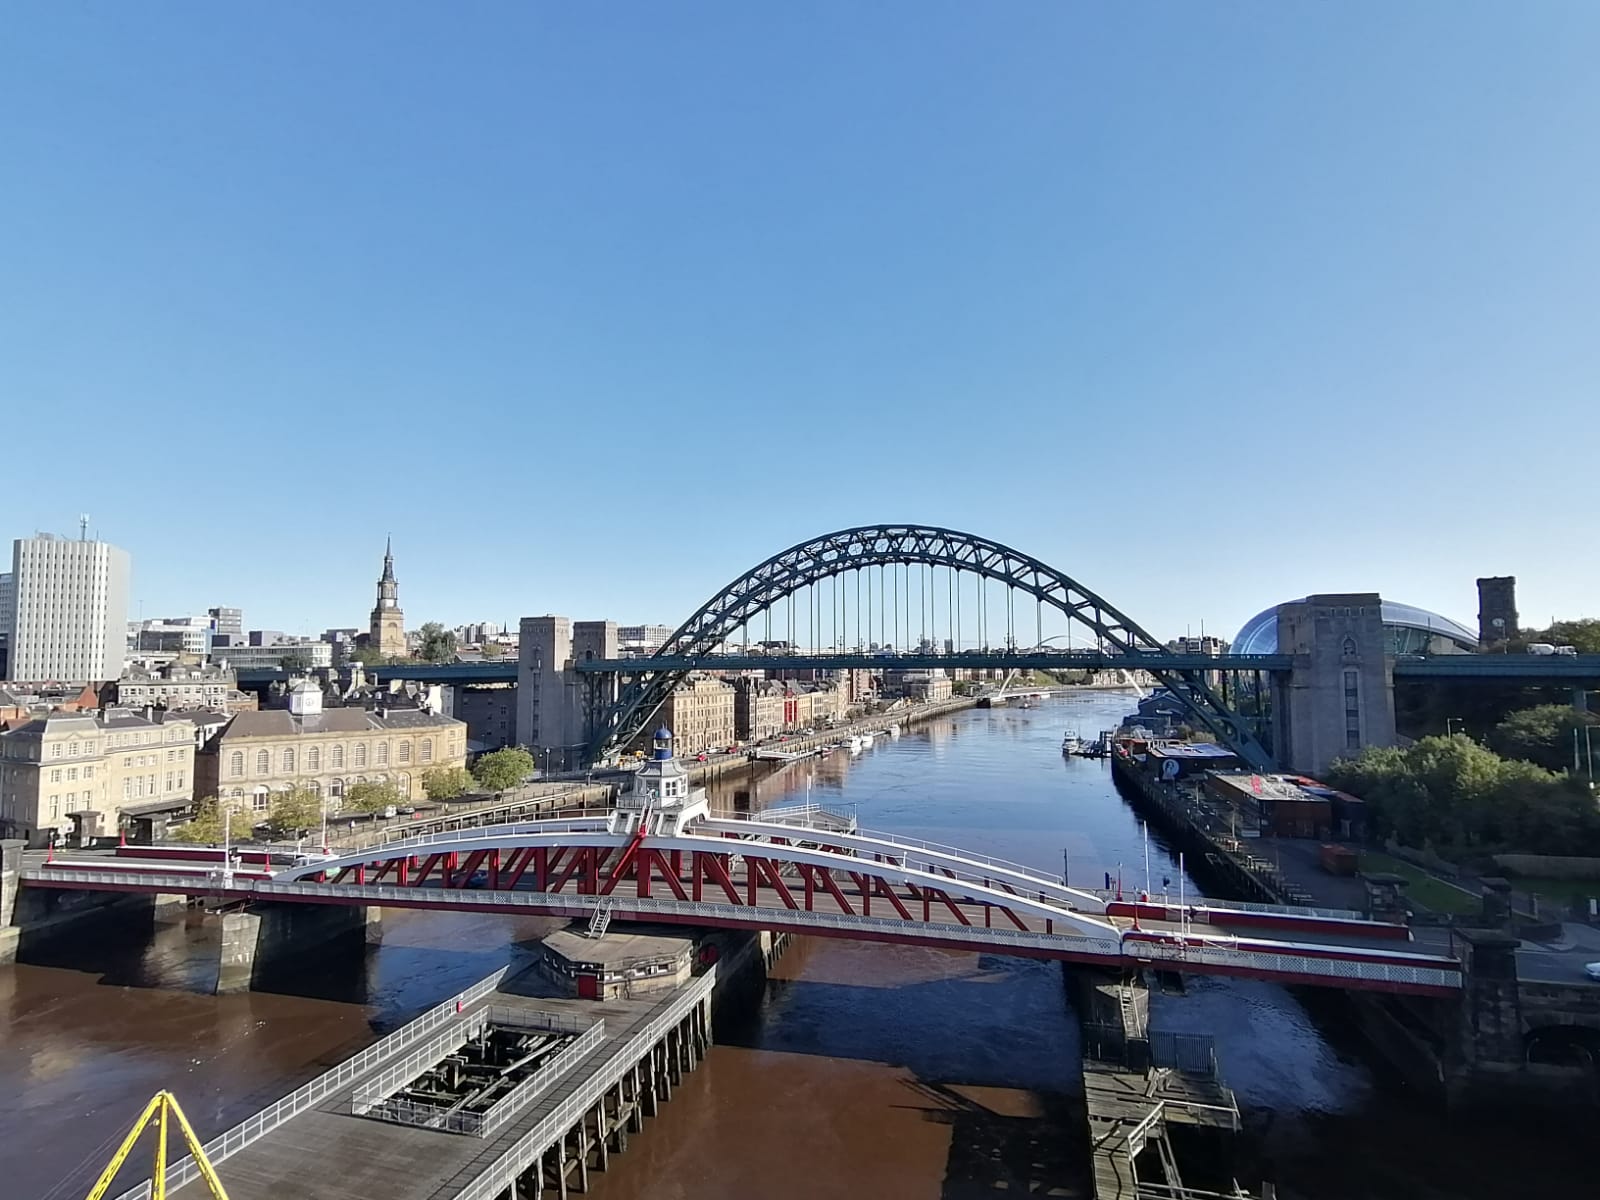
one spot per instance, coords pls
(329, 1153)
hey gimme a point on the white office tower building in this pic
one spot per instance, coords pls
(69, 618)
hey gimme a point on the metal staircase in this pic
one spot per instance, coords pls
(600, 919)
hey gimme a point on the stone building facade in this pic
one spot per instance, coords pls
(700, 713)
(71, 775)
(259, 753)
(758, 709)
(178, 687)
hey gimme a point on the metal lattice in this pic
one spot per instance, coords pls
(833, 554)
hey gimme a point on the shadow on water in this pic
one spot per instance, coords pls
(1023, 1149)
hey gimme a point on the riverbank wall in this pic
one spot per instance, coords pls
(1472, 1051)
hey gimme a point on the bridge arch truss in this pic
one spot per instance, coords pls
(616, 719)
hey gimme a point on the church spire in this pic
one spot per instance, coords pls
(388, 635)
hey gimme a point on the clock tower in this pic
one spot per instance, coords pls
(388, 635)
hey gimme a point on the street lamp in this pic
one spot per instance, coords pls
(1452, 721)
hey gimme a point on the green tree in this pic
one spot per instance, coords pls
(296, 660)
(438, 644)
(446, 783)
(294, 812)
(370, 797)
(503, 769)
(1455, 795)
(1544, 735)
(205, 827)
(493, 650)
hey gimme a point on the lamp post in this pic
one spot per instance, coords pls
(1449, 722)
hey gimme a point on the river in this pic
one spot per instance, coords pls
(868, 1069)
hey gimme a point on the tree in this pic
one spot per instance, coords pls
(294, 812)
(205, 828)
(1544, 735)
(1453, 794)
(446, 783)
(437, 644)
(503, 769)
(371, 797)
(1582, 635)
(493, 650)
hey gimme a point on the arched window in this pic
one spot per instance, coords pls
(263, 762)
(313, 758)
(314, 788)
(258, 799)
(288, 760)
(336, 789)
(336, 758)
(1349, 647)
(236, 764)
(383, 754)
(427, 750)
(405, 787)
(405, 752)
(361, 754)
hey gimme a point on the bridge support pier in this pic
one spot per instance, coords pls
(10, 866)
(256, 940)
(30, 915)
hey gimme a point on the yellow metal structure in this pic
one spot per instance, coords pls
(160, 1105)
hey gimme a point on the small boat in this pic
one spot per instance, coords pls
(1071, 743)
(855, 744)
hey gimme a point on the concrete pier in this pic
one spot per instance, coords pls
(253, 941)
(1140, 1086)
(30, 915)
(315, 1145)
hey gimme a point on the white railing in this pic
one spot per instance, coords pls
(538, 1083)
(395, 1076)
(374, 1099)
(493, 1182)
(253, 1128)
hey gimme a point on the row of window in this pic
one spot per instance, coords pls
(72, 773)
(261, 797)
(336, 758)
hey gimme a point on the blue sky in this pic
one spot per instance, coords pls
(595, 306)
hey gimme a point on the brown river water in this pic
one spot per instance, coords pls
(866, 1069)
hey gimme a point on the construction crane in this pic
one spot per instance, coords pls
(160, 1105)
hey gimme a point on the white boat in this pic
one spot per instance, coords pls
(866, 741)
(855, 744)
(1071, 743)
(894, 731)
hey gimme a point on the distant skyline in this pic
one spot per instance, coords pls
(594, 308)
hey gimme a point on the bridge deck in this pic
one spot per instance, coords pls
(328, 1153)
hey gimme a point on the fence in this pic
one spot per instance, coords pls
(254, 1128)
(494, 1182)
(375, 1098)
(1191, 1053)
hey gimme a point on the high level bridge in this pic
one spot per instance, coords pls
(780, 875)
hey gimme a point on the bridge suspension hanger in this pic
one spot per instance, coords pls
(156, 1111)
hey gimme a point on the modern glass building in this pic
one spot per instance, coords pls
(1411, 630)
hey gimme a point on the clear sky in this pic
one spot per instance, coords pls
(596, 305)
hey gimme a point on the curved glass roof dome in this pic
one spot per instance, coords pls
(1410, 629)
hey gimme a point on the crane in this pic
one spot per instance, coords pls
(160, 1105)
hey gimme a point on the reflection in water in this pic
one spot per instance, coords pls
(869, 1069)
